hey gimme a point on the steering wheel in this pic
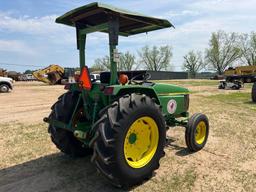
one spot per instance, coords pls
(145, 77)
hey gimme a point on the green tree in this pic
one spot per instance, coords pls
(193, 63)
(248, 48)
(223, 51)
(28, 71)
(156, 58)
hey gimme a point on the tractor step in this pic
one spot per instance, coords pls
(57, 124)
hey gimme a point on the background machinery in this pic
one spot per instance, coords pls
(6, 84)
(121, 120)
(3, 73)
(236, 77)
(51, 74)
(54, 74)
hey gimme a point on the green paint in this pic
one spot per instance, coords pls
(161, 88)
(158, 88)
(132, 138)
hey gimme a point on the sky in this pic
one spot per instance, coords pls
(30, 38)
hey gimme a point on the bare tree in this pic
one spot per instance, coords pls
(127, 61)
(248, 48)
(101, 64)
(96, 67)
(223, 51)
(193, 63)
(156, 58)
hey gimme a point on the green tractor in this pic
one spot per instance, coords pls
(122, 122)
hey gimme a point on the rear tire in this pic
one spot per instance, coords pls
(110, 142)
(254, 92)
(64, 140)
(197, 132)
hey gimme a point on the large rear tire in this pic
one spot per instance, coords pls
(64, 140)
(129, 140)
(254, 92)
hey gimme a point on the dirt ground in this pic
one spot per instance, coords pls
(29, 102)
(30, 162)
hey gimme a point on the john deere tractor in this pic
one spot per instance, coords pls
(121, 121)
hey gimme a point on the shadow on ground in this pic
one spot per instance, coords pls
(54, 172)
(250, 102)
(180, 151)
(60, 173)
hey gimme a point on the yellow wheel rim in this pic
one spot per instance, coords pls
(200, 132)
(141, 142)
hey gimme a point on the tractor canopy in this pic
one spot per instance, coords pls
(95, 16)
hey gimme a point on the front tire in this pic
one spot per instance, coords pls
(197, 132)
(65, 140)
(129, 140)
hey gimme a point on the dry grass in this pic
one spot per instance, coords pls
(30, 162)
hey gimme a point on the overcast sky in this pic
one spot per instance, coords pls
(29, 35)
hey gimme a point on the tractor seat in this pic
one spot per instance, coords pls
(105, 77)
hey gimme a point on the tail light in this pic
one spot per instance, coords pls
(108, 90)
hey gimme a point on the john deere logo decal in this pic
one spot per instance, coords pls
(171, 106)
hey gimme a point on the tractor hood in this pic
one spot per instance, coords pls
(158, 88)
(169, 89)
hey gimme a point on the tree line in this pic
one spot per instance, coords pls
(225, 49)
(150, 58)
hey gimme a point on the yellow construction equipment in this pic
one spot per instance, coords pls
(236, 77)
(52, 74)
(242, 71)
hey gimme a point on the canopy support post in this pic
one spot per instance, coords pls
(113, 22)
(81, 40)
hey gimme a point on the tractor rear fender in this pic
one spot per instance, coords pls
(124, 90)
(165, 95)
